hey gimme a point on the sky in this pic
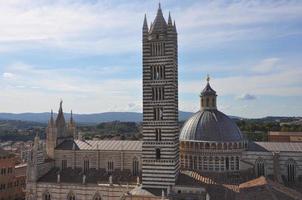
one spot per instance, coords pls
(88, 53)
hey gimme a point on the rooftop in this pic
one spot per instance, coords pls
(96, 176)
(275, 146)
(263, 188)
(210, 125)
(102, 145)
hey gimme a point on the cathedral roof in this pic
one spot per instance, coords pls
(210, 125)
(93, 176)
(275, 146)
(110, 145)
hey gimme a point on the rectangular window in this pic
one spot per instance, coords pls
(158, 113)
(157, 72)
(64, 164)
(158, 93)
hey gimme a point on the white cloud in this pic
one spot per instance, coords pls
(286, 81)
(8, 75)
(114, 27)
(247, 97)
(41, 88)
(267, 65)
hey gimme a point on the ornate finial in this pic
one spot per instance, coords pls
(208, 78)
(159, 7)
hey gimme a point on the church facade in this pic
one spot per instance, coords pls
(168, 163)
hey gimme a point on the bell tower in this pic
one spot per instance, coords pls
(160, 103)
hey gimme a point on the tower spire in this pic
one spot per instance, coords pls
(170, 20)
(71, 117)
(160, 24)
(145, 26)
(51, 121)
(174, 25)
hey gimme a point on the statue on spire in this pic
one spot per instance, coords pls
(61, 102)
(208, 78)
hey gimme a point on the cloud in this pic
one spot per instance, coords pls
(286, 81)
(267, 65)
(8, 75)
(246, 97)
(104, 27)
(43, 87)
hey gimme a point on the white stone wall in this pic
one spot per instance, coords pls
(284, 157)
(98, 159)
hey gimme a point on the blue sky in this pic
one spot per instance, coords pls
(89, 54)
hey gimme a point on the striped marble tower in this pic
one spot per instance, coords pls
(160, 103)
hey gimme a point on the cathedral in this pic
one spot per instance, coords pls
(208, 158)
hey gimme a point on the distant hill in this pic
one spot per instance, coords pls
(120, 116)
(86, 118)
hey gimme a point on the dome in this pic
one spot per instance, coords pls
(210, 125)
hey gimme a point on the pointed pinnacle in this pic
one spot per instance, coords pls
(174, 26)
(145, 22)
(169, 19)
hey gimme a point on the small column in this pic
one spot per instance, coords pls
(84, 179)
(58, 178)
(110, 180)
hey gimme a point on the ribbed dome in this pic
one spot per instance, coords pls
(210, 125)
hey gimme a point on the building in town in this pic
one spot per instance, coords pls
(208, 159)
(281, 136)
(12, 177)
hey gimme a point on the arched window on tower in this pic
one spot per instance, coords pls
(260, 168)
(213, 102)
(158, 155)
(46, 196)
(291, 170)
